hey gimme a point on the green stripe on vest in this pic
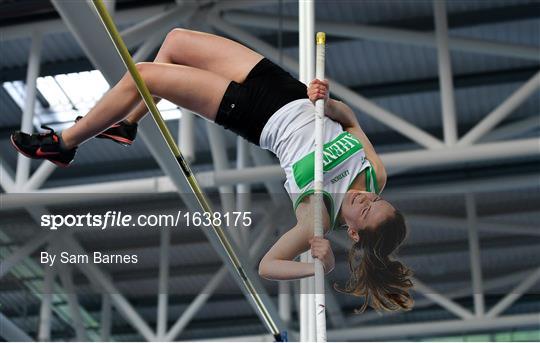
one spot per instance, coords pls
(334, 153)
(371, 181)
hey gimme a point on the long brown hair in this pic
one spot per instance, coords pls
(383, 282)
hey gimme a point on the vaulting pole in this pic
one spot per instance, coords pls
(320, 304)
(194, 185)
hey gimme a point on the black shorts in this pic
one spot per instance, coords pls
(246, 108)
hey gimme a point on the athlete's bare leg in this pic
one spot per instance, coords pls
(215, 59)
(198, 90)
(205, 51)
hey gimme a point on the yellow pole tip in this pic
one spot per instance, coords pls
(321, 38)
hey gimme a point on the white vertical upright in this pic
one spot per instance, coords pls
(306, 18)
(308, 36)
(163, 286)
(320, 304)
(309, 33)
(301, 41)
(304, 284)
(284, 301)
(186, 139)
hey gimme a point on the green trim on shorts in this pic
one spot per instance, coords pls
(335, 152)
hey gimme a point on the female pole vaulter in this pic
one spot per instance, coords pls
(232, 85)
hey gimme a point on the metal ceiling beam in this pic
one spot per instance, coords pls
(448, 106)
(386, 34)
(499, 280)
(416, 251)
(471, 18)
(239, 325)
(461, 81)
(492, 289)
(7, 181)
(34, 60)
(411, 330)
(483, 224)
(47, 69)
(39, 176)
(389, 141)
(162, 184)
(514, 294)
(23, 252)
(513, 129)
(19, 31)
(157, 24)
(477, 184)
(40, 97)
(491, 16)
(441, 299)
(474, 153)
(80, 20)
(426, 329)
(14, 11)
(11, 332)
(497, 15)
(502, 111)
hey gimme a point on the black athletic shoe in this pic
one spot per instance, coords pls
(121, 132)
(43, 146)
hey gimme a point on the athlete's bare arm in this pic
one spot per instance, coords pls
(343, 114)
(279, 264)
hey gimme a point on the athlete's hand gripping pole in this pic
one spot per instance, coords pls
(320, 304)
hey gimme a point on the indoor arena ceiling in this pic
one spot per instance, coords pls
(399, 77)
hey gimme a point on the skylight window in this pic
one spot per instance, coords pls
(71, 95)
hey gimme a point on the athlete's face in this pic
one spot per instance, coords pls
(364, 211)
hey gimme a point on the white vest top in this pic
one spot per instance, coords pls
(289, 134)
